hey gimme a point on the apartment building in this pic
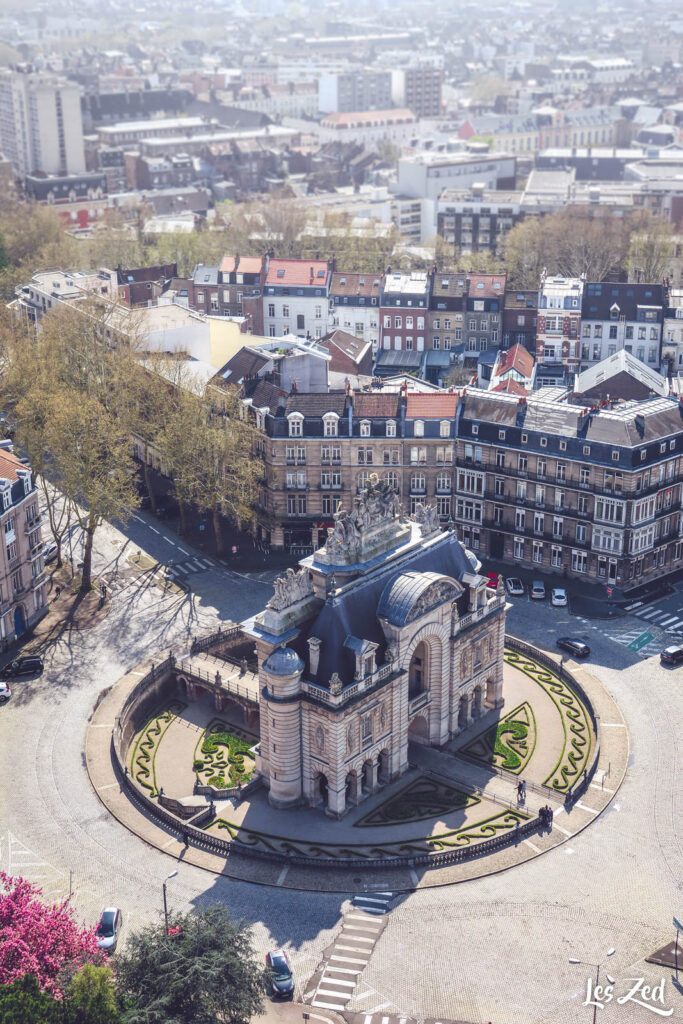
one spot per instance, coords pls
(361, 89)
(616, 317)
(404, 304)
(425, 175)
(477, 219)
(588, 493)
(240, 283)
(558, 322)
(418, 87)
(319, 449)
(519, 319)
(354, 305)
(484, 312)
(23, 587)
(295, 300)
(446, 311)
(40, 122)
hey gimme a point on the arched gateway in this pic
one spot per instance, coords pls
(387, 634)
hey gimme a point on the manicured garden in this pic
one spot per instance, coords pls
(223, 756)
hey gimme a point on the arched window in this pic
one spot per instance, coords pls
(391, 479)
(365, 428)
(296, 424)
(391, 428)
(445, 428)
(331, 424)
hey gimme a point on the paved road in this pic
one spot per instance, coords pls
(492, 949)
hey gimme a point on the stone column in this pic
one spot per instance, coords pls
(478, 702)
(470, 708)
(356, 791)
(373, 783)
(336, 798)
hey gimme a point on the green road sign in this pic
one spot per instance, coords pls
(640, 641)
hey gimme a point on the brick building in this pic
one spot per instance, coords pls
(404, 307)
(558, 323)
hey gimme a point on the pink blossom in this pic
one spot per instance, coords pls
(39, 939)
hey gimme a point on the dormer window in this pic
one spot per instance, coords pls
(445, 428)
(391, 428)
(296, 424)
(6, 490)
(365, 428)
(419, 428)
(331, 424)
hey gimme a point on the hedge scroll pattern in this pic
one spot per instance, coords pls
(576, 723)
(143, 758)
(224, 751)
(509, 743)
(480, 831)
(423, 798)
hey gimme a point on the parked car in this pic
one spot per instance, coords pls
(672, 655)
(280, 978)
(27, 665)
(515, 587)
(558, 598)
(49, 552)
(538, 590)
(5, 693)
(111, 920)
(573, 646)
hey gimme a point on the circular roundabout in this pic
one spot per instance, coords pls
(177, 763)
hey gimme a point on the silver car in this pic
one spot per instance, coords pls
(108, 929)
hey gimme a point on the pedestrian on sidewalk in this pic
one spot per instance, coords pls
(524, 790)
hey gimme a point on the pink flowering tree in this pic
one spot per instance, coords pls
(38, 939)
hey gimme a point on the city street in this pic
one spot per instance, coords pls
(494, 949)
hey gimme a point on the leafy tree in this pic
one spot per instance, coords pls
(652, 244)
(205, 972)
(229, 467)
(23, 1002)
(40, 939)
(91, 997)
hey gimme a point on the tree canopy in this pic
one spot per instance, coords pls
(205, 972)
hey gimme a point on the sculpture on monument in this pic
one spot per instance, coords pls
(426, 517)
(292, 587)
(377, 503)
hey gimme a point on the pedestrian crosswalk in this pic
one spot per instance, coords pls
(627, 637)
(662, 617)
(192, 565)
(334, 984)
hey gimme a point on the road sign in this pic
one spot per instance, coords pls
(609, 591)
(640, 641)
(678, 925)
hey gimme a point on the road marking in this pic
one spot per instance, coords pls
(648, 615)
(105, 725)
(355, 938)
(613, 725)
(533, 846)
(349, 960)
(154, 529)
(558, 810)
(282, 875)
(330, 992)
(359, 917)
(110, 785)
(338, 981)
(375, 1009)
(169, 541)
(183, 550)
(326, 1006)
(563, 830)
(351, 949)
(584, 808)
(358, 900)
(344, 970)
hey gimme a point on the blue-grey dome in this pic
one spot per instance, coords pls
(283, 661)
(400, 600)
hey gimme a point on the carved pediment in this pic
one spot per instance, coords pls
(432, 597)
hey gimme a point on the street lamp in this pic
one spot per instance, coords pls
(163, 887)
(587, 963)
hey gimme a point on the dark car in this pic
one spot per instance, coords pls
(573, 646)
(280, 977)
(672, 655)
(27, 665)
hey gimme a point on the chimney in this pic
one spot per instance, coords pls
(314, 645)
(312, 273)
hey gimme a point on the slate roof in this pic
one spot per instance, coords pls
(283, 662)
(353, 610)
(598, 299)
(317, 404)
(621, 362)
(401, 593)
(245, 363)
(355, 284)
(267, 395)
(205, 275)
